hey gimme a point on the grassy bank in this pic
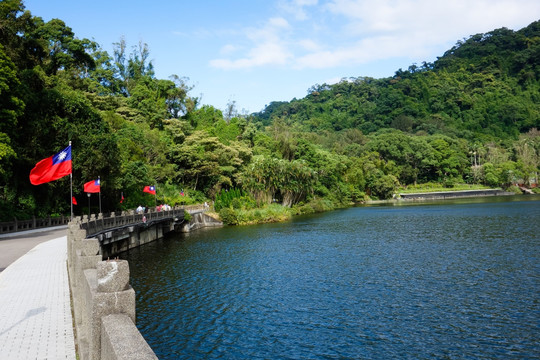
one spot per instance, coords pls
(435, 187)
(245, 213)
(273, 212)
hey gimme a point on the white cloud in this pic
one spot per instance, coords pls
(297, 7)
(361, 31)
(364, 51)
(277, 23)
(434, 16)
(309, 45)
(229, 49)
(268, 47)
(334, 80)
(268, 53)
(384, 29)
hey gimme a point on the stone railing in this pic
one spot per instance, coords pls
(35, 223)
(103, 302)
(22, 225)
(103, 222)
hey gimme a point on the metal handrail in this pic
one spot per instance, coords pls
(31, 224)
(40, 223)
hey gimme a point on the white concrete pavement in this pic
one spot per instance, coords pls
(35, 309)
(14, 245)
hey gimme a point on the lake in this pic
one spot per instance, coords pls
(457, 279)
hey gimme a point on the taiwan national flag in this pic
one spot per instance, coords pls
(150, 190)
(92, 186)
(52, 168)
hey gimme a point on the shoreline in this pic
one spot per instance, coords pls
(444, 195)
(457, 194)
(403, 198)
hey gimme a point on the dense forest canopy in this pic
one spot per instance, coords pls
(470, 117)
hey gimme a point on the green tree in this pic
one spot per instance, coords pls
(177, 99)
(150, 101)
(527, 152)
(11, 106)
(270, 178)
(65, 52)
(205, 163)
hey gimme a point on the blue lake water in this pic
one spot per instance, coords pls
(442, 280)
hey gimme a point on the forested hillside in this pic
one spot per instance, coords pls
(483, 89)
(470, 117)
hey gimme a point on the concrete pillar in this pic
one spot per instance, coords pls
(120, 340)
(111, 294)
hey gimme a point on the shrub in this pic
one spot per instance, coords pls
(227, 198)
(303, 209)
(450, 182)
(236, 203)
(270, 213)
(228, 216)
(321, 205)
(248, 202)
(514, 189)
(384, 186)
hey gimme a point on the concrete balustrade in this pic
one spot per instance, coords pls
(103, 299)
(121, 340)
(103, 302)
(34, 223)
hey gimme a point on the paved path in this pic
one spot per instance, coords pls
(35, 310)
(15, 245)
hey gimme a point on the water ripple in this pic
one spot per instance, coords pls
(457, 281)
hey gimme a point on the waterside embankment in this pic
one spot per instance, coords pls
(441, 195)
(103, 299)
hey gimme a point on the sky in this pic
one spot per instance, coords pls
(254, 52)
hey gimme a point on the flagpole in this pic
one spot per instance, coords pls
(99, 180)
(155, 196)
(71, 187)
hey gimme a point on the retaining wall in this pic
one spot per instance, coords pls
(198, 221)
(103, 299)
(454, 194)
(103, 302)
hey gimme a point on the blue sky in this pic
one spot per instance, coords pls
(254, 52)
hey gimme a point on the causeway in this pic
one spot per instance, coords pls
(35, 309)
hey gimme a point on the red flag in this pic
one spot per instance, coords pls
(150, 190)
(122, 199)
(73, 200)
(52, 168)
(92, 186)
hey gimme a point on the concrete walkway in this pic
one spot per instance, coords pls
(35, 309)
(15, 245)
